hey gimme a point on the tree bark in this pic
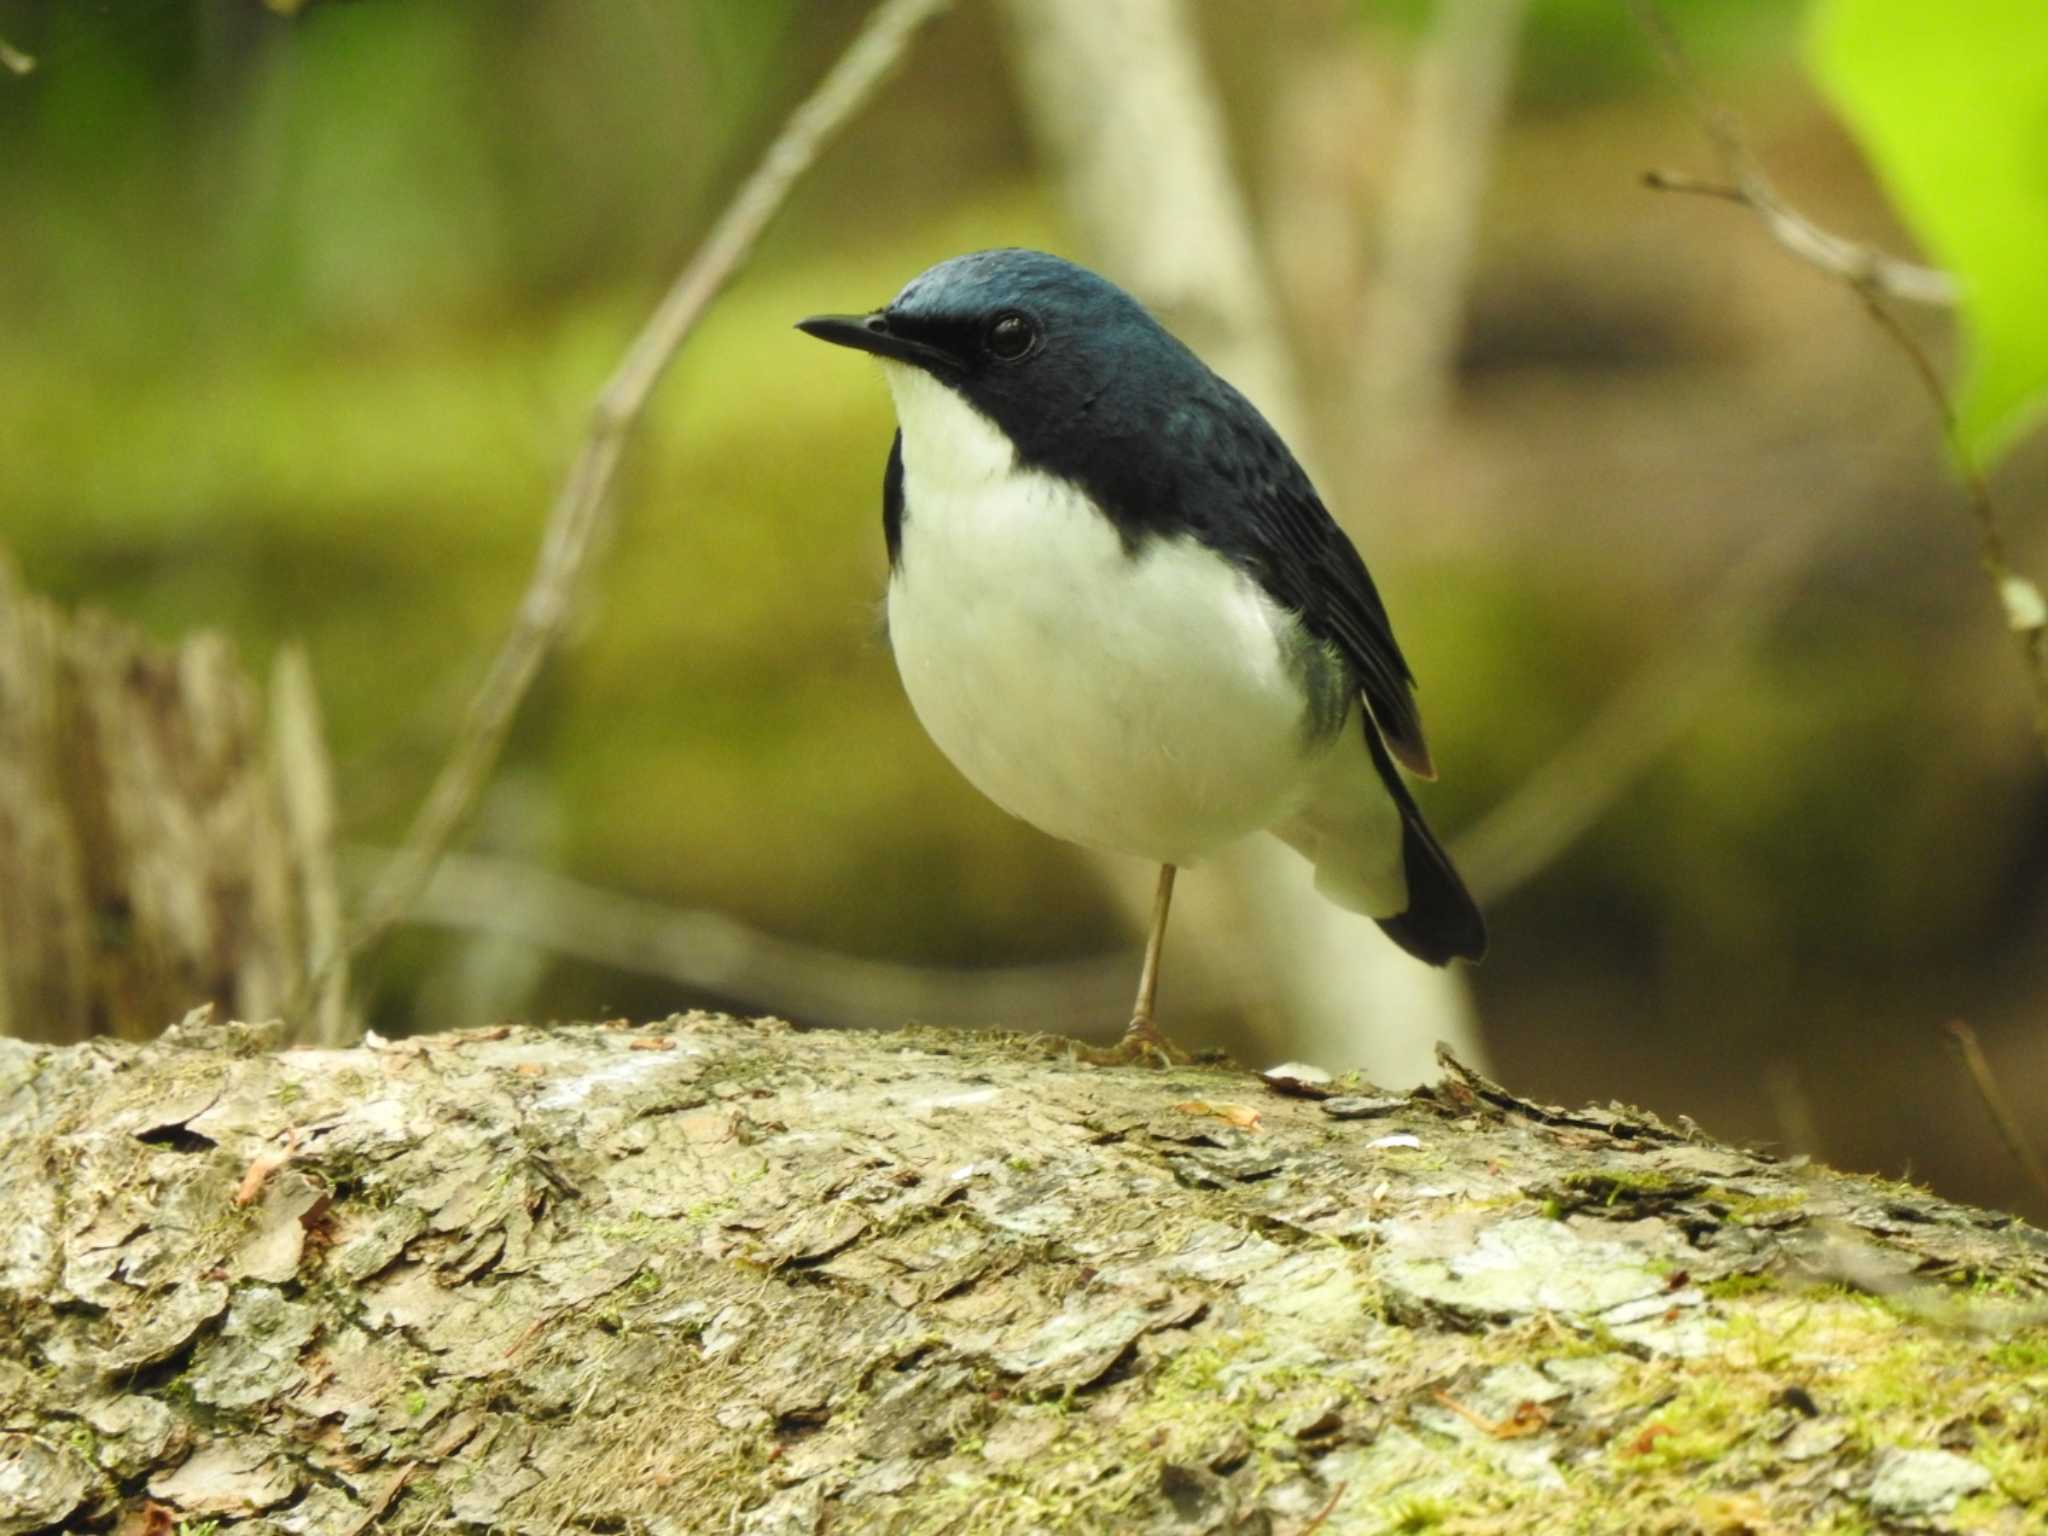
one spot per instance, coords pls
(157, 841)
(712, 1275)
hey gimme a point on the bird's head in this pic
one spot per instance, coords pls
(1030, 341)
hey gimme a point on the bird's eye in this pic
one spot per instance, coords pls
(1010, 337)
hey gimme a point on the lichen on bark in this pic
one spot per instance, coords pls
(719, 1275)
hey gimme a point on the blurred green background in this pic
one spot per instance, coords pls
(301, 317)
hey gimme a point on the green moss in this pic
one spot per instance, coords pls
(1898, 1189)
(1700, 1425)
(1997, 1287)
(1412, 1517)
(1732, 1287)
(1607, 1187)
(2024, 1354)
(1747, 1210)
(2019, 1471)
(1647, 1181)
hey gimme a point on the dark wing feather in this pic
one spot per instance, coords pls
(1278, 527)
(892, 500)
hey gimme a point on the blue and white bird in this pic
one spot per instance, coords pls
(1121, 610)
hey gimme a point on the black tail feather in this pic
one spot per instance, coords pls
(1442, 922)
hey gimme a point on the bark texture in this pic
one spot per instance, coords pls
(159, 842)
(713, 1275)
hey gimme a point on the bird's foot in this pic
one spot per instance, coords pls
(1142, 1042)
(1141, 1045)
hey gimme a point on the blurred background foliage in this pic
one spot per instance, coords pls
(300, 319)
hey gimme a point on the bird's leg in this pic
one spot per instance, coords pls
(1143, 1037)
(1155, 943)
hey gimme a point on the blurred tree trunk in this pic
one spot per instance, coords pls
(1124, 108)
(721, 1276)
(157, 848)
(1403, 370)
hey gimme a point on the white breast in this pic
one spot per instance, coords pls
(1142, 703)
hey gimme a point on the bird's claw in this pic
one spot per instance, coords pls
(1142, 1042)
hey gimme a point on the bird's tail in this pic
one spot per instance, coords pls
(1375, 855)
(1442, 922)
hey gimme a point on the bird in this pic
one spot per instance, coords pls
(1121, 610)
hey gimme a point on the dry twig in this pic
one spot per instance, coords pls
(716, 957)
(1964, 1040)
(1861, 266)
(1317, 1520)
(581, 509)
(1874, 277)
(2018, 597)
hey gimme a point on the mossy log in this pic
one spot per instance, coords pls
(160, 841)
(711, 1275)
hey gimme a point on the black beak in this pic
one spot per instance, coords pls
(871, 333)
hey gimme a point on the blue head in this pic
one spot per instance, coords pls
(1034, 343)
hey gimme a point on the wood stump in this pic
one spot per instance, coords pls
(162, 844)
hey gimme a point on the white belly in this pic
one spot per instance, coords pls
(1144, 704)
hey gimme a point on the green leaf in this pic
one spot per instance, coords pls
(1950, 103)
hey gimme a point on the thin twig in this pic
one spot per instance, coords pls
(1964, 1040)
(2018, 597)
(581, 508)
(1320, 1516)
(1861, 265)
(716, 958)
(1874, 277)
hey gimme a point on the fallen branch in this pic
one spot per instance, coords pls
(761, 1281)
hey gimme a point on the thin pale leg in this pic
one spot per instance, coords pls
(1143, 1036)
